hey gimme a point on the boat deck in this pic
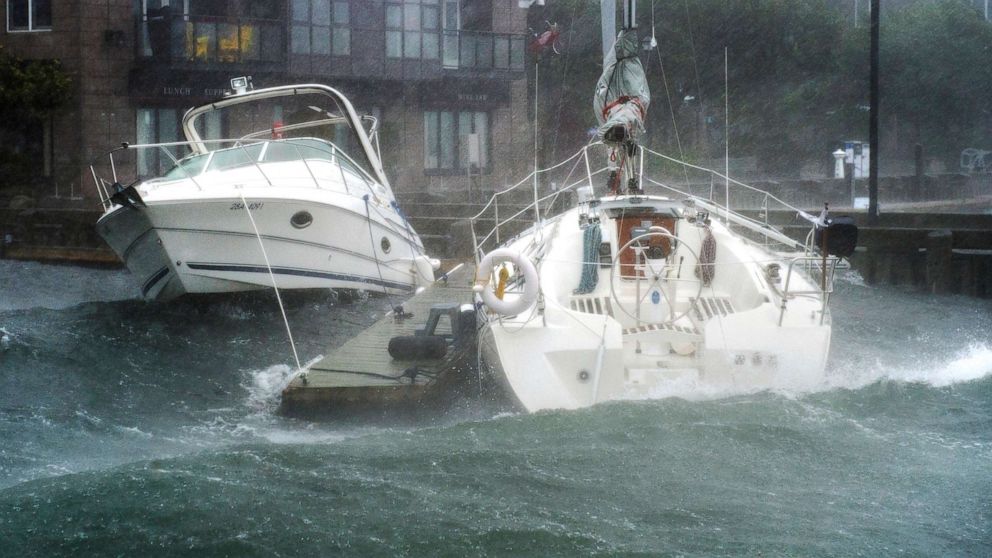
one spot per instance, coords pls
(360, 375)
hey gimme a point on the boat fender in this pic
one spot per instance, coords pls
(423, 270)
(417, 347)
(484, 274)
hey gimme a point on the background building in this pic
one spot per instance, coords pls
(441, 75)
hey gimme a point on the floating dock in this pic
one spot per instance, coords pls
(360, 376)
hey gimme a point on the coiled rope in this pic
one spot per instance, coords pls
(591, 239)
(705, 269)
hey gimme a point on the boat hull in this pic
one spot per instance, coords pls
(210, 246)
(663, 335)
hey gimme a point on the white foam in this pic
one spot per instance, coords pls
(6, 339)
(974, 363)
(265, 386)
(691, 388)
(264, 389)
(852, 277)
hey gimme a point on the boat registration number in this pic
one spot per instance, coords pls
(252, 206)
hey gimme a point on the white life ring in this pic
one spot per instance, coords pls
(484, 275)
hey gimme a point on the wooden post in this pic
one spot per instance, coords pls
(939, 270)
(873, 116)
(919, 171)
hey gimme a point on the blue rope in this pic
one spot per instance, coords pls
(591, 239)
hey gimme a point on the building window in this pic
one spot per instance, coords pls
(413, 29)
(25, 151)
(456, 140)
(204, 31)
(157, 125)
(320, 27)
(29, 15)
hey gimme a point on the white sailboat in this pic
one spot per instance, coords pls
(298, 196)
(631, 295)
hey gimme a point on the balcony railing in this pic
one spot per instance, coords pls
(207, 41)
(200, 39)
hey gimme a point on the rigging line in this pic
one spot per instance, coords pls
(561, 87)
(272, 278)
(413, 248)
(375, 256)
(406, 233)
(692, 47)
(671, 110)
(551, 204)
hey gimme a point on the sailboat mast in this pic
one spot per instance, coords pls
(608, 21)
(630, 14)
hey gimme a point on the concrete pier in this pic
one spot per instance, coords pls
(938, 253)
(361, 377)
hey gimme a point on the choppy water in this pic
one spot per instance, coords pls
(136, 429)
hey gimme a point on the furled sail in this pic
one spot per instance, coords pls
(622, 96)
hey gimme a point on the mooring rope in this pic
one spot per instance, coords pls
(275, 287)
(375, 255)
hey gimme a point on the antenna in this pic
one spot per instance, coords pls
(651, 43)
(726, 132)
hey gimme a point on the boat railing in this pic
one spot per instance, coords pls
(821, 272)
(354, 179)
(710, 190)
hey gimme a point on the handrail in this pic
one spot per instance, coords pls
(714, 207)
(733, 181)
(824, 293)
(527, 179)
(338, 157)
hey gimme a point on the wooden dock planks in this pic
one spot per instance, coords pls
(361, 372)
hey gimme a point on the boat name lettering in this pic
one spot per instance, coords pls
(177, 91)
(252, 206)
(210, 92)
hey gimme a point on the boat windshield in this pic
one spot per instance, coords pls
(190, 166)
(252, 152)
(307, 116)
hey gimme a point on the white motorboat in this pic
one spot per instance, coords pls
(298, 197)
(631, 295)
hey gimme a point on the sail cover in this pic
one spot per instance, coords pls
(622, 96)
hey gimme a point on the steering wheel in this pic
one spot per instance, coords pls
(655, 276)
